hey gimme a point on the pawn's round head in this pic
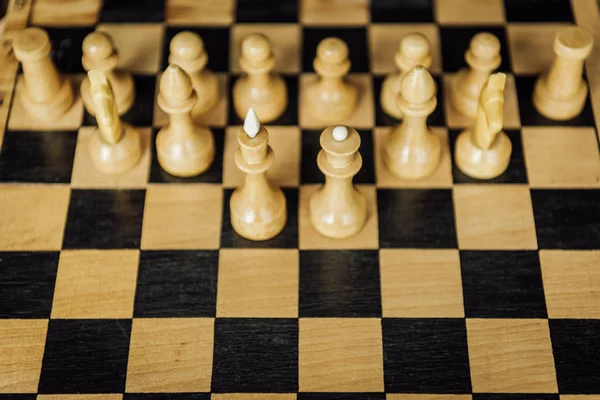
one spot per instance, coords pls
(414, 46)
(98, 46)
(485, 46)
(256, 47)
(187, 46)
(332, 50)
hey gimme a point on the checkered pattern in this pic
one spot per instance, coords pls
(136, 287)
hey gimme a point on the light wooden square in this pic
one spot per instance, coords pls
(310, 239)
(440, 178)
(254, 396)
(79, 397)
(571, 283)
(384, 41)
(330, 359)
(421, 283)
(334, 12)
(511, 356)
(363, 116)
(216, 116)
(95, 284)
(562, 157)
(496, 217)
(200, 12)
(182, 216)
(21, 349)
(85, 175)
(470, 12)
(170, 355)
(33, 217)
(285, 39)
(531, 46)
(65, 12)
(250, 287)
(579, 397)
(429, 397)
(21, 119)
(285, 142)
(455, 119)
(140, 46)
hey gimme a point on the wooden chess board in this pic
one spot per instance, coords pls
(136, 287)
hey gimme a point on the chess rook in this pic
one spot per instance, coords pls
(258, 207)
(47, 95)
(411, 150)
(99, 53)
(483, 152)
(482, 57)
(561, 92)
(414, 50)
(183, 148)
(259, 88)
(115, 147)
(331, 98)
(337, 209)
(187, 51)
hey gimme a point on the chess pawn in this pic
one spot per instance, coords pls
(187, 51)
(47, 95)
(560, 93)
(99, 53)
(259, 88)
(337, 209)
(483, 152)
(258, 207)
(483, 57)
(183, 148)
(411, 150)
(414, 50)
(331, 98)
(115, 147)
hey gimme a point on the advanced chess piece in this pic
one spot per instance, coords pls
(414, 50)
(99, 53)
(337, 209)
(259, 88)
(47, 95)
(483, 57)
(483, 152)
(115, 147)
(560, 93)
(187, 51)
(331, 98)
(183, 148)
(258, 208)
(411, 150)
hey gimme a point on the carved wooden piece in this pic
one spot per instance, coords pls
(187, 51)
(560, 93)
(331, 98)
(183, 148)
(115, 147)
(483, 152)
(99, 53)
(483, 57)
(414, 50)
(411, 150)
(337, 209)
(258, 207)
(259, 88)
(47, 94)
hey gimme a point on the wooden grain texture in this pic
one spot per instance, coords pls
(315, 12)
(483, 12)
(169, 355)
(21, 350)
(206, 12)
(511, 356)
(340, 355)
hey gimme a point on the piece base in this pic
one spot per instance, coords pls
(482, 164)
(558, 109)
